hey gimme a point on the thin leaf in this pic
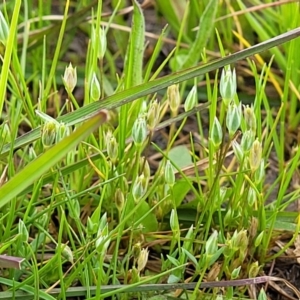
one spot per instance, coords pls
(206, 26)
(43, 163)
(8, 52)
(154, 86)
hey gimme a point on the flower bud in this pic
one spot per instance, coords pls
(191, 99)
(102, 241)
(145, 168)
(136, 250)
(139, 188)
(70, 78)
(262, 295)
(139, 131)
(174, 224)
(95, 89)
(169, 174)
(102, 44)
(23, 232)
(228, 85)
(4, 30)
(142, 260)
(238, 151)
(66, 253)
(250, 118)
(74, 210)
(48, 134)
(216, 133)
(211, 245)
(173, 97)
(242, 239)
(253, 270)
(251, 197)
(119, 199)
(112, 147)
(253, 227)
(235, 273)
(153, 114)
(233, 118)
(62, 131)
(255, 155)
(247, 140)
(260, 172)
(91, 227)
(258, 239)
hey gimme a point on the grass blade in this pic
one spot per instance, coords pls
(43, 163)
(154, 86)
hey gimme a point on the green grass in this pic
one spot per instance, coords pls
(132, 174)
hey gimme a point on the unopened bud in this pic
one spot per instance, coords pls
(139, 131)
(145, 168)
(233, 118)
(253, 227)
(153, 114)
(48, 134)
(258, 239)
(242, 240)
(101, 44)
(247, 140)
(143, 259)
(191, 99)
(253, 270)
(169, 174)
(70, 78)
(112, 148)
(91, 227)
(139, 188)
(62, 131)
(228, 85)
(238, 151)
(260, 172)
(235, 273)
(95, 89)
(211, 245)
(251, 198)
(216, 133)
(250, 118)
(255, 155)
(136, 250)
(173, 97)
(23, 232)
(174, 224)
(119, 199)
(66, 253)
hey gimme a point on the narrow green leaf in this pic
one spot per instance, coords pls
(43, 163)
(134, 61)
(154, 86)
(168, 10)
(206, 26)
(8, 52)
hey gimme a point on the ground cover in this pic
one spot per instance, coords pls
(149, 149)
